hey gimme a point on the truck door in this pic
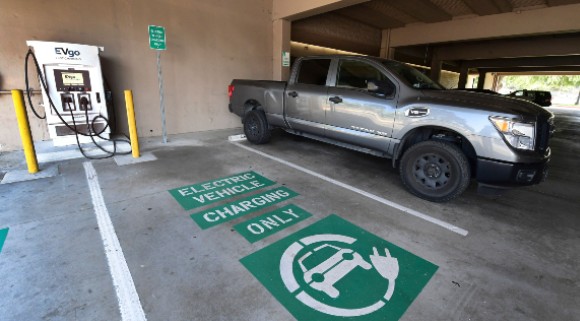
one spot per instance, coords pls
(306, 96)
(362, 104)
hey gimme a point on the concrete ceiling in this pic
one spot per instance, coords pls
(360, 28)
(386, 14)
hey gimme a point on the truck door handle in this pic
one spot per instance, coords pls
(293, 94)
(335, 99)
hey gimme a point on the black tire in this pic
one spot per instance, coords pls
(256, 127)
(435, 171)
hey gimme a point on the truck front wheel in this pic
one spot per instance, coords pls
(435, 171)
(256, 127)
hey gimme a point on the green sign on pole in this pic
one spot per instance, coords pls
(3, 234)
(201, 194)
(223, 213)
(157, 38)
(267, 224)
(334, 270)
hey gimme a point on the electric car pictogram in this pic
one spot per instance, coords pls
(324, 276)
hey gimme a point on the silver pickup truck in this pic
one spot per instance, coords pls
(439, 139)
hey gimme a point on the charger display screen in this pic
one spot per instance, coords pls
(72, 80)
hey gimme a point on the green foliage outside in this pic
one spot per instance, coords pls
(538, 82)
(564, 88)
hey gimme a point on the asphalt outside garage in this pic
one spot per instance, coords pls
(512, 258)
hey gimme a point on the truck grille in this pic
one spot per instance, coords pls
(545, 131)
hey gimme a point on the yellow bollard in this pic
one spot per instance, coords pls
(25, 134)
(132, 123)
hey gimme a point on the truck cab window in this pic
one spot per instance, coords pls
(362, 76)
(411, 76)
(313, 72)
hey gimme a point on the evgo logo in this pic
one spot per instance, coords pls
(67, 52)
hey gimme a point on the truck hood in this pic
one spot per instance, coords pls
(494, 104)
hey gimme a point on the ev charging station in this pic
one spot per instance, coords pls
(73, 94)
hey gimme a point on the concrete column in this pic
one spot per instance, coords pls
(481, 80)
(436, 69)
(496, 81)
(489, 79)
(463, 75)
(281, 44)
(386, 50)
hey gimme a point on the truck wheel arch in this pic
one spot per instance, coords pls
(250, 105)
(425, 133)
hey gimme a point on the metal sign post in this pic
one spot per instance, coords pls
(157, 41)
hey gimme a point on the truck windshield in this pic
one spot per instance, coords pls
(410, 75)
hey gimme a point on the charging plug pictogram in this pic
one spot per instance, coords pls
(388, 268)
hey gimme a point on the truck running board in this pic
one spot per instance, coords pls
(338, 143)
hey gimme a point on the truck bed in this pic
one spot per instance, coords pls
(268, 94)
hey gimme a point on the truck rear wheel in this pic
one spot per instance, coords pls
(256, 127)
(435, 171)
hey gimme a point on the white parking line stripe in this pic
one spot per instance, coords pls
(129, 304)
(400, 207)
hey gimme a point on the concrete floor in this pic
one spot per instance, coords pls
(519, 261)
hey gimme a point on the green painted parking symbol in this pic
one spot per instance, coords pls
(201, 194)
(223, 213)
(333, 270)
(267, 224)
(3, 234)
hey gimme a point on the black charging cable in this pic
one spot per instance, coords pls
(28, 54)
(91, 132)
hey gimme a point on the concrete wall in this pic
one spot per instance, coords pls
(209, 43)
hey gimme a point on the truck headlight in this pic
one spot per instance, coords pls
(519, 135)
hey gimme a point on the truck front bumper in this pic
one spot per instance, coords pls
(495, 173)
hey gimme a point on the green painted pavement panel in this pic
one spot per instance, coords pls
(270, 223)
(223, 213)
(335, 270)
(3, 234)
(201, 194)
